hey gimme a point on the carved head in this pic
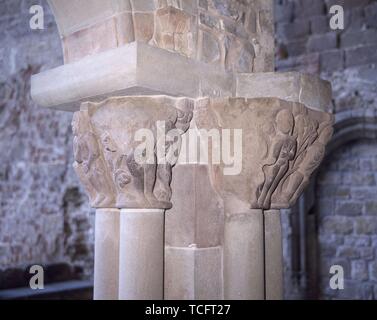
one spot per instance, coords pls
(285, 121)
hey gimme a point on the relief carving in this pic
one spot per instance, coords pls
(111, 138)
(282, 144)
(296, 146)
(89, 164)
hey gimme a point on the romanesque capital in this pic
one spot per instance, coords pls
(282, 144)
(125, 148)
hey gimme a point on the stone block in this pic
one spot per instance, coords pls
(293, 30)
(347, 252)
(337, 225)
(371, 208)
(198, 219)
(307, 8)
(133, 69)
(358, 38)
(283, 11)
(371, 15)
(357, 241)
(361, 55)
(143, 5)
(359, 270)
(332, 60)
(193, 274)
(319, 24)
(367, 253)
(366, 225)
(373, 270)
(349, 208)
(322, 42)
(296, 48)
(291, 86)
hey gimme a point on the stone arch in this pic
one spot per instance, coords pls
(351, 127)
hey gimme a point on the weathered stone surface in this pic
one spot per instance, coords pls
(170, 25)
(106, 146)
(44, 218)
(200, 223)
(193, 273)
(136, 68)
(291, 86)
(266, 182)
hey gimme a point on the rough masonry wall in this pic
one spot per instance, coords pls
(236, 35)
(44, 216)
(347, 58)
(347, 213)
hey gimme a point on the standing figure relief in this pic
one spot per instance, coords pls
(89, 164)
(295, 145)
(107, 150)
(281, 150)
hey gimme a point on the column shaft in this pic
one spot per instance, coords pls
(106, 254)
(141, 256)
(273, 255)
(244, 256)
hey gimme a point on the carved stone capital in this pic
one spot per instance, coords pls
(125, 148)
(282, 144)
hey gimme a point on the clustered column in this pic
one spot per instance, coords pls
(126, 171)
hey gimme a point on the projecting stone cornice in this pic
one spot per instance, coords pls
(140, 69)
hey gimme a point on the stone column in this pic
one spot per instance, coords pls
(244, 256)
(273, 255)
(119, 55)
(282, 143)
(129, 166)
(106, 254)
(141, 261)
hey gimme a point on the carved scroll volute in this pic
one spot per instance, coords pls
(282, 144)
(118, 138)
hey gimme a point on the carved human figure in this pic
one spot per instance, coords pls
(174, 128)
(134, 181)
(89, 165)
(282, 150)
(300, 178)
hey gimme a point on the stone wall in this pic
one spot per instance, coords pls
(44, 216)
(236, 35)
(347, 216)
(347, 58)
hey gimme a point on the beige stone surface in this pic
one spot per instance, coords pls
(106, 146)
(106, 254)
(134, 69)
(244, 256)
(307, 89)
(282, 144)
(239, 33)
(120, 56)
(273, 255)
(200, 218)
(141, 258)
(193, 273)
